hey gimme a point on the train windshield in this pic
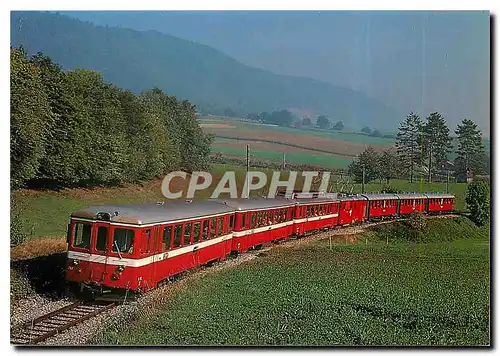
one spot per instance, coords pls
(123, 241)
(82, 234)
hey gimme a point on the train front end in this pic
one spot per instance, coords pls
(101, 255)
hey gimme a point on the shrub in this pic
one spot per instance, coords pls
(478, 202)
(389, 189)
(417, 221)
(16, 227)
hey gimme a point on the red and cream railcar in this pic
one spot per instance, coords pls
(352, 210)
(136, 246)
(315, 213)
(411, 202)
(437, 202)
(260, 220)
(381, 205)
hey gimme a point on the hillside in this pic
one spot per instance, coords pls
(140, 60)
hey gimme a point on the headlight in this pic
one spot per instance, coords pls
(121, 268)
(75, 263)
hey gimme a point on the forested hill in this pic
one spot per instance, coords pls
(207, 77)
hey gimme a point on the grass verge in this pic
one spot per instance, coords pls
(368, 293)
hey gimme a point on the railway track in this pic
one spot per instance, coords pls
(48, 325)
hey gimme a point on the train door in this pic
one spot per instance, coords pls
(100, 248)
(154, 250)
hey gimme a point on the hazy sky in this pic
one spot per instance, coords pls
(420, 61)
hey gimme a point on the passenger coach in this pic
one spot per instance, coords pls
(260, 220)
(438, 203)
(137, 246)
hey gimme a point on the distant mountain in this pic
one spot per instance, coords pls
(207, 77)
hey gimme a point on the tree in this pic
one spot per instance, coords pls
(339, 126)
(437, 142)
(322, 122)
(388, 165)
(253, 117)
(408, 143)
(366, 130)
(376, 133)
(478, 201)
(30, 118)
(280, 118)
(306, 121)
(368, 159)
(470, 148)
(59, 162)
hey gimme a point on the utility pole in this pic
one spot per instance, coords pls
(248, 168)
(284, 160)
(363, 182)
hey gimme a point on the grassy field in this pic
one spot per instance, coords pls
(46, 213)
(321, 160)
(366, 293)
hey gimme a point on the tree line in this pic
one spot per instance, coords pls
(71, 128)
(424, 147)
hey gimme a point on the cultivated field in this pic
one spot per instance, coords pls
(364, 292)
(329, 149)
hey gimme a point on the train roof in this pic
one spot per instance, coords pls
(352, 197)
(256, 203)
(150, 213)
(383, 196)
(439, 195)
(411, 196)
(307, 201)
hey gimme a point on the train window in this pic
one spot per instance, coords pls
(196, 231)
(177, 236)
(220, 226)
(270, 217)
(123, 241)
(82, 235)
(213, 228)
(167, 237)
(231, 222)
(277, 216)
(385, 203)
(441, 201)
(254, 220)
(264, 218)
(145, 241)
(102, 238)
(187, 234)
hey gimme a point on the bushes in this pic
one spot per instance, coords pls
(419, 228)
(17, 234)
(478, 201)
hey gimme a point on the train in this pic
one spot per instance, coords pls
(138, 247)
